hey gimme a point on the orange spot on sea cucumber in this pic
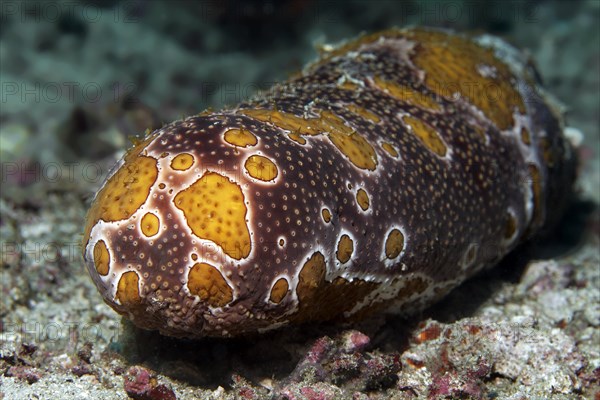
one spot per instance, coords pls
(206, 282)
(320, 300)
(261, 168)
(279, 290)
(394, 244)
(362, 198)
(240, 137)
(287, 121)
(390, 149)
(525, 137)
(428, 136)
(326, 214)
(344, 249)
(214, 209)
(356, 148)
(150, 224)
(350, 143)
(450, 61)
(128, 291)
(311, 276)
(369, 115)
(407, 94)
(124, 192)
(297, 138)
(101, 258)
(182, 162)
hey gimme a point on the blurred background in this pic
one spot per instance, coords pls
(80, 78)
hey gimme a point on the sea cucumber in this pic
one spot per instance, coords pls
(378, 179)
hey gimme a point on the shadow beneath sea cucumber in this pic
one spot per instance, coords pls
(213, 362)
(208, 362)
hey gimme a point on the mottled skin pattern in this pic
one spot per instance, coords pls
(383, 176)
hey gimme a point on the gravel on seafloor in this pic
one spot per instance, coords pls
(528, 329)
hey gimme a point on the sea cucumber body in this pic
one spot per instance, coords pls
(384, 175)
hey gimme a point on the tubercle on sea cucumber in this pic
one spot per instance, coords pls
(381, 177)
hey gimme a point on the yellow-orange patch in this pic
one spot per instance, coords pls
(311, 276)
(215, 210)
(344, 249)
(356, 148)
(128, 291)
(206, 282)
(428, 136)
(525, 137)
(124, 192)
(101, 258)
(279, 290)
(394, 244)
(261, 168)
(327, 121)
(362, 198)
(287, 121)
(390, 149)
(407, 94)
(453, 64)
(240, 138)
(150, 224)
(326, 214)
(330, 122)
(297, 138)
(347, 141)
(320, 300)
(182, 162)
(371, 116)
